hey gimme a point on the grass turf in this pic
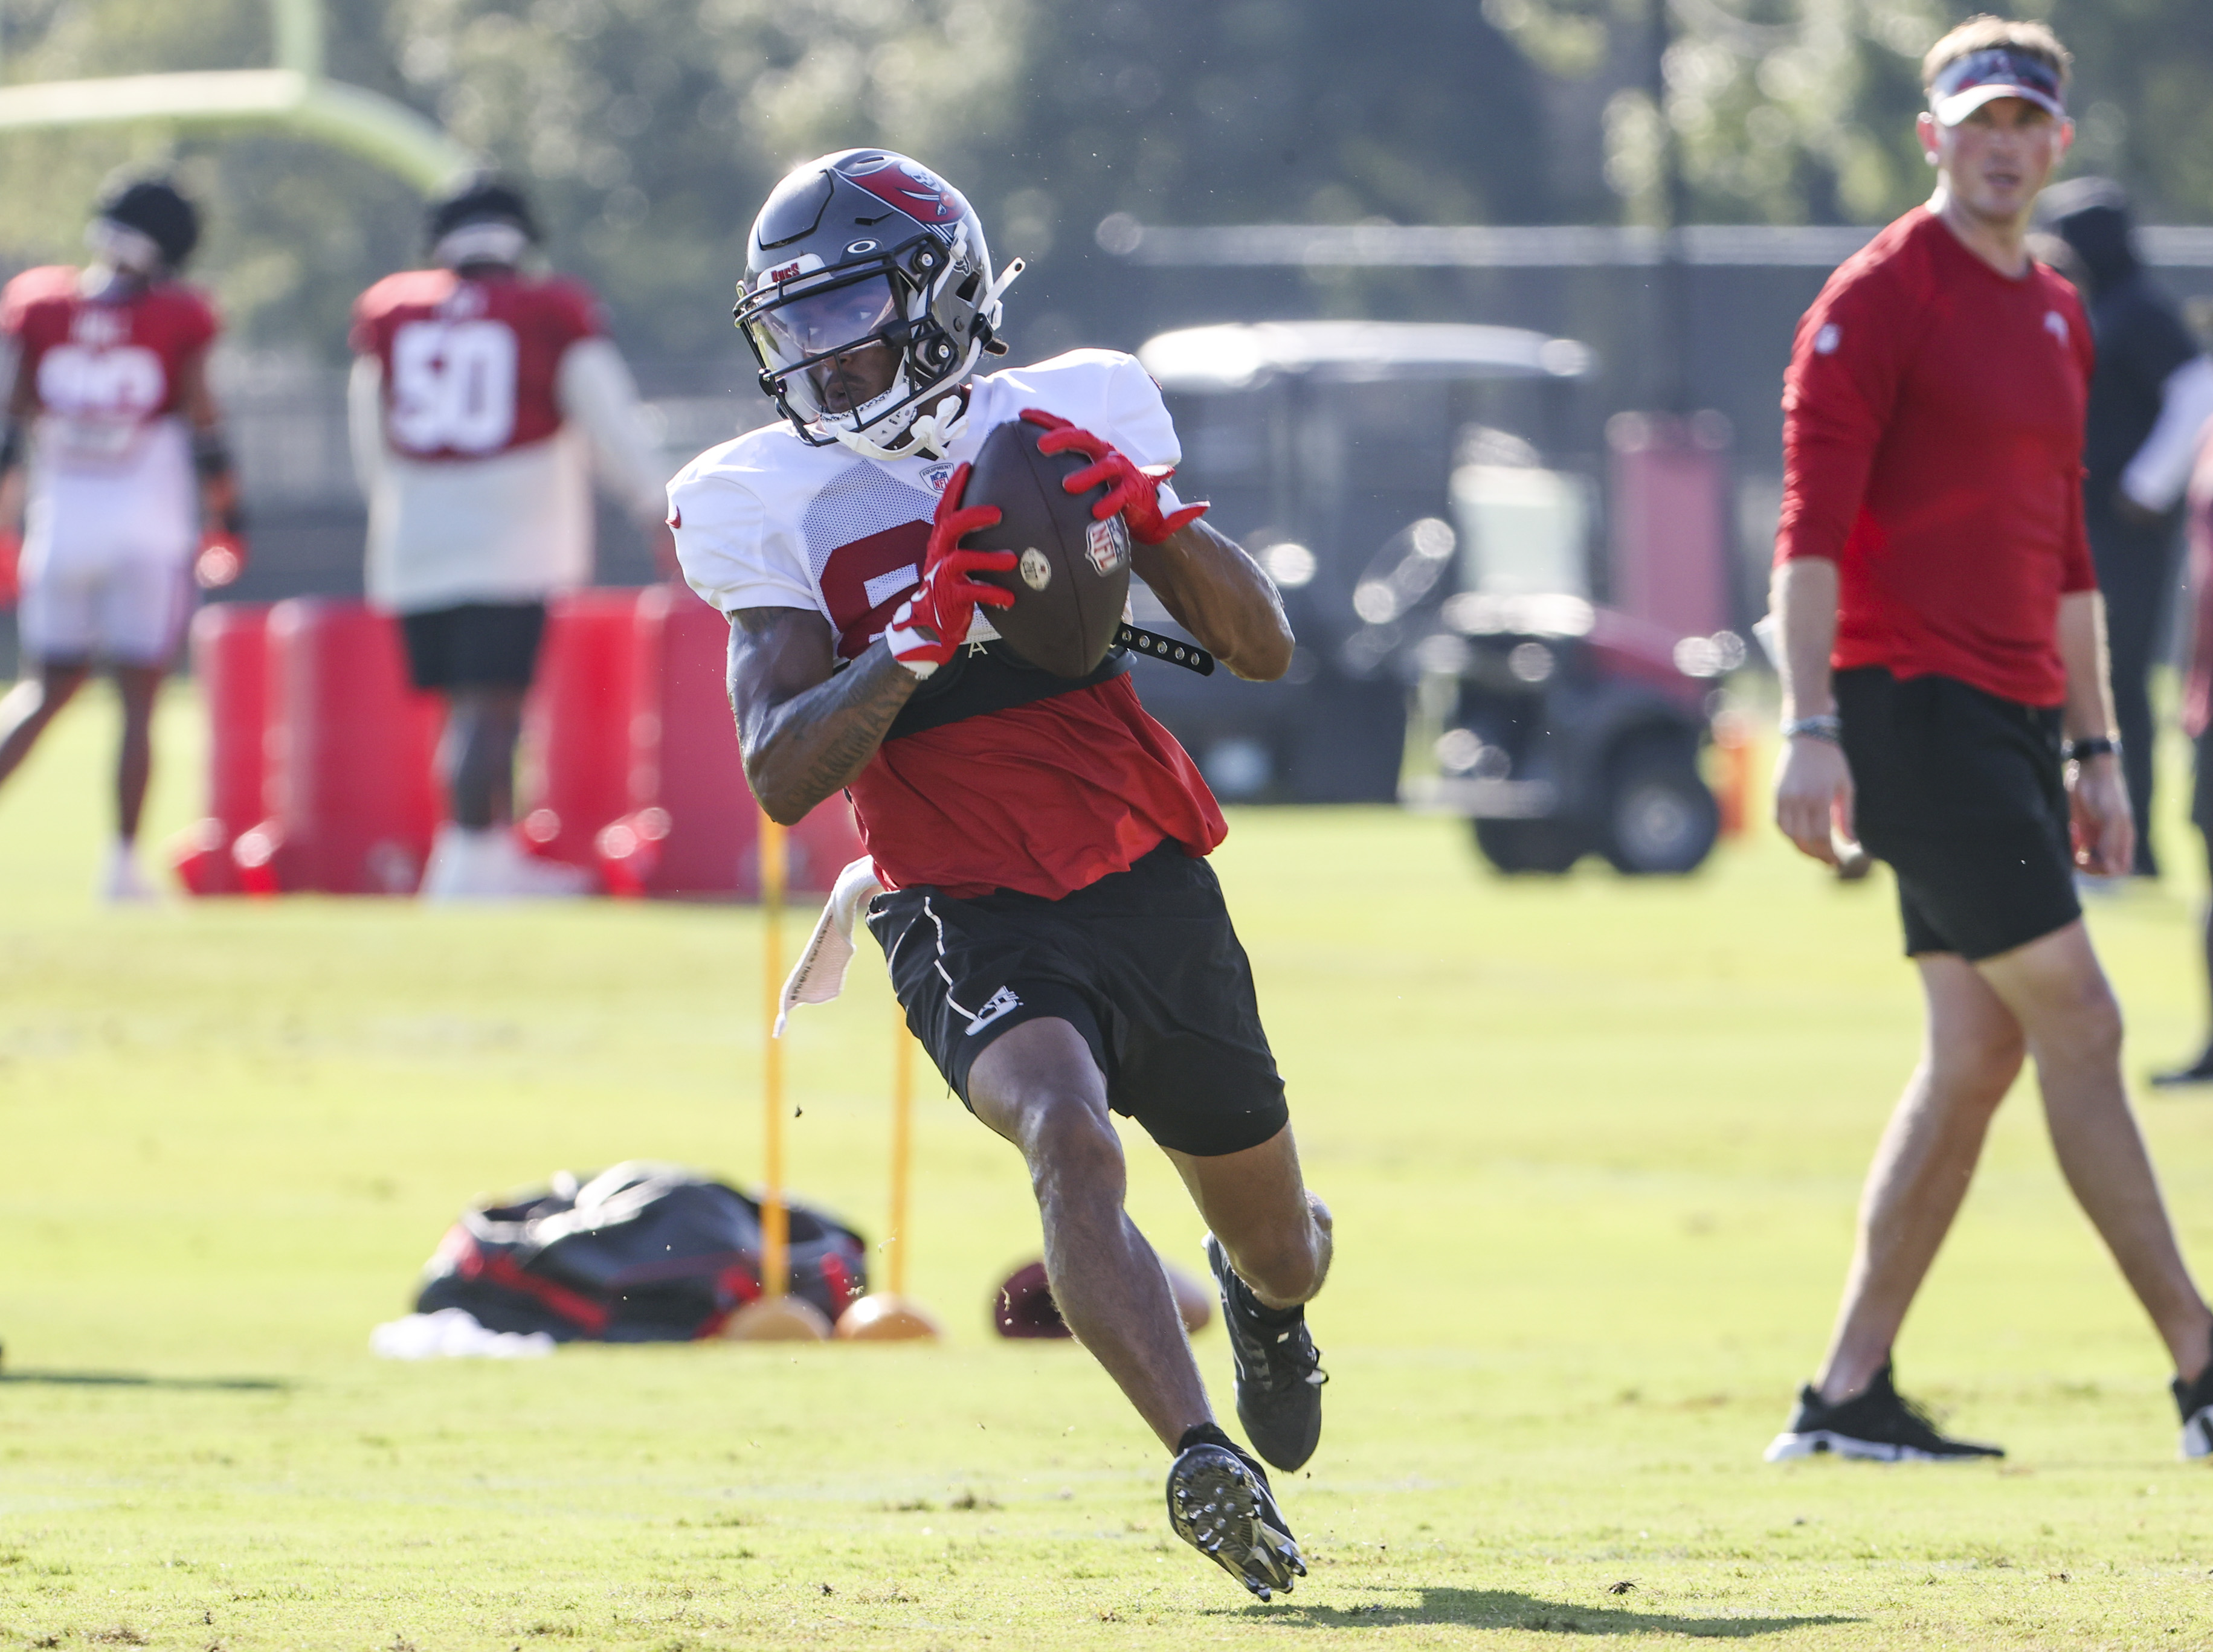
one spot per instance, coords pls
(1593, 1145)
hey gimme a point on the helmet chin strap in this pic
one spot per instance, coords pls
(925, 436)
(933, 432)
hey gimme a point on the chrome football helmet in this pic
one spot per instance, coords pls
(864, 247)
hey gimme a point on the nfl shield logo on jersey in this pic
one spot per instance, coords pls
(1106, 546)
(936, 477)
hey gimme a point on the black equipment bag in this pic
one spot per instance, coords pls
(642, 1253)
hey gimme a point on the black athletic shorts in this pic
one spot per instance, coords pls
(1962, 793)
(1143, 964)
(474, 645)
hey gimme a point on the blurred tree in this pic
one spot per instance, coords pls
(291, 227)
(1802, 111)
(2141, 72)
(1407, 111)
(649, 130)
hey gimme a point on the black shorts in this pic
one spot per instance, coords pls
(1143, 964)
(474, 645)
(1962, 793)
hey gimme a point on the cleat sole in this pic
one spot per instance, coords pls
(1217, 1506)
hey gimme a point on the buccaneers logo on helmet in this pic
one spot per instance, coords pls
(911, 187)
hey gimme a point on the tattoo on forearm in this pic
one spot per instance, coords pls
(815, 737)
(844, 720)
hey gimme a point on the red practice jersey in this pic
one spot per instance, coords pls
(1933, 449)
(1044, 797)
(471, 367)
(103, 369)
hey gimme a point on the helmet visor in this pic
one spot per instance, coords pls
(822, 323)
(827, 345)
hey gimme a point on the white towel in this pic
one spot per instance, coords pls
(820, 974)
(454, 1333)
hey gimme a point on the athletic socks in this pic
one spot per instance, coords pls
(1205, 1434)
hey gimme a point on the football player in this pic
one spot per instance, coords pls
(1051, 926)
(477, 389)
(112, 453)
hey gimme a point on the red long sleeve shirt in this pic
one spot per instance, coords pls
(1932, 444)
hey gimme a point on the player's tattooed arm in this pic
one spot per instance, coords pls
(1220, 595)
(806, 729)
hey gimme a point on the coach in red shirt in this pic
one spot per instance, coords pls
(1945, 698)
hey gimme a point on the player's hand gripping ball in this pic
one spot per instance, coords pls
(1132, 493)
(1070, 576)
(932, 624)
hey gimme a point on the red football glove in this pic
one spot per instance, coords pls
(1134, 492)
(931, 625)
(220, 558)
(11, 556)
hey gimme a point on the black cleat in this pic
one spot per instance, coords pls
(2199, 1072)
(1279, 1374)
(2195, 1401)
(1219, 1502)
(1880, 1424)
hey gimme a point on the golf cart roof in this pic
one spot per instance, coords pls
(1236, 356)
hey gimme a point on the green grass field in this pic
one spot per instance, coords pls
(1593, 1147)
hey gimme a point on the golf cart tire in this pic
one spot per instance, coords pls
(1661, 819)
(1549, 847)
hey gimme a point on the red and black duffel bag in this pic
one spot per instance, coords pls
(642, 1253)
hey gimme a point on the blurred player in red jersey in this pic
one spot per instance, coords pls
(1051, 925)
(481, 394)
(1945, 698)
(108, 423)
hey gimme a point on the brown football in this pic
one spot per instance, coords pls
(1074, 573)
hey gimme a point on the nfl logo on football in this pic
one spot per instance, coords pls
(1106, 546)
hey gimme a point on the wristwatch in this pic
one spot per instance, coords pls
(2091, 745)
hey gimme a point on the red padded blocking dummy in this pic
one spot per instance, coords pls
(1670, 519)
(230, 642)
(576, 726)
(352, 799)
(694, 828)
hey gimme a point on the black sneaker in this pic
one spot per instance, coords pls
(2195, 1401)
(1279, 1374)
(1880, 1424)
(1219, 1502)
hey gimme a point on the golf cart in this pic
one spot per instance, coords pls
(1557, 726)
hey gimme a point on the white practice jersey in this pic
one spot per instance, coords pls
(767, 522)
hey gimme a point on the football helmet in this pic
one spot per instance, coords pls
(480, 219)
(867, 248)
(144, 225)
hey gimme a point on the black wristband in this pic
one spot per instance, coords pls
(210, 453)
(2091, 745)
(11, 445)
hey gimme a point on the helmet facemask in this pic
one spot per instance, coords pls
(933, 306)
